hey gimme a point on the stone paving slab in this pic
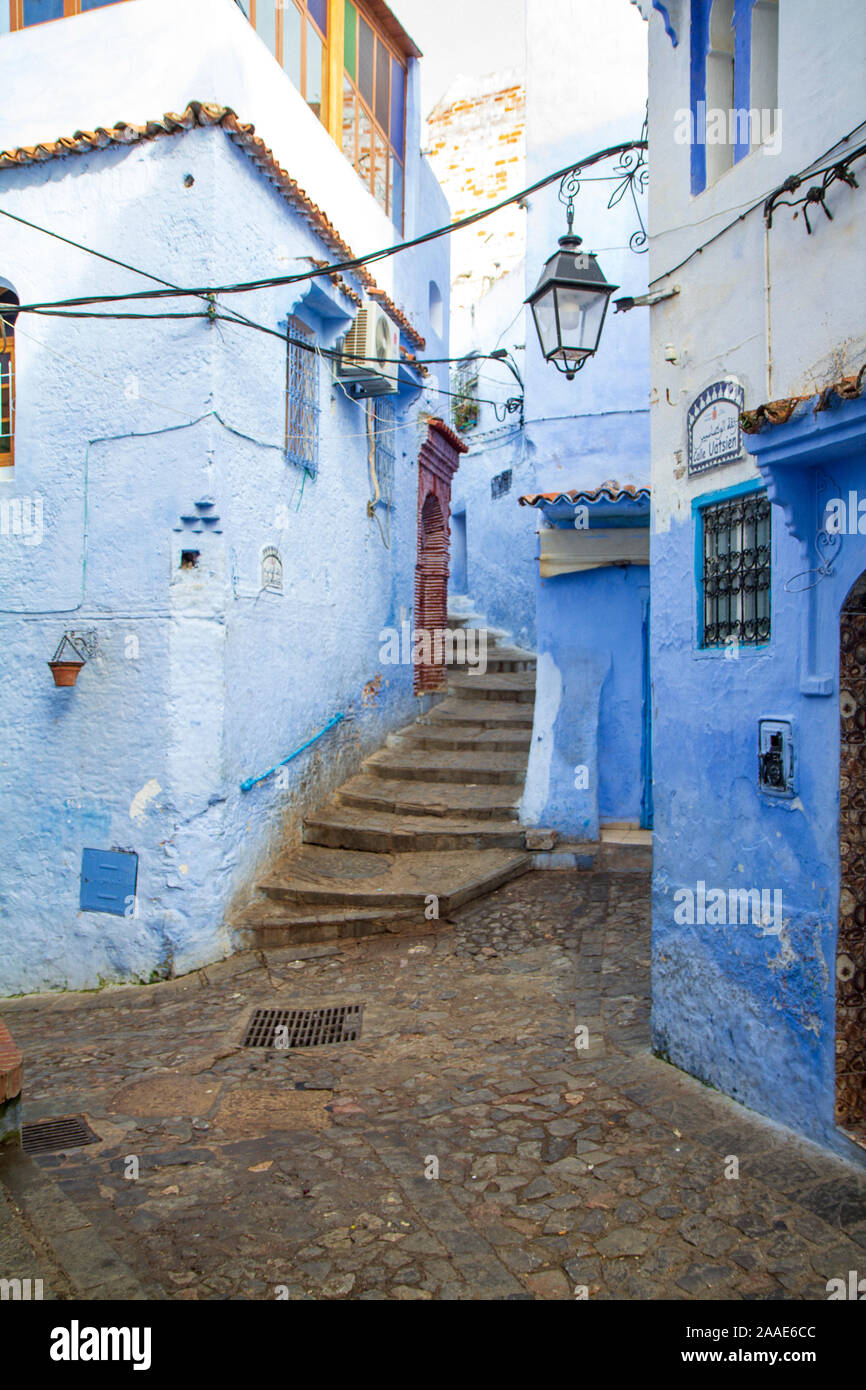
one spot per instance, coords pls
(464, 1147)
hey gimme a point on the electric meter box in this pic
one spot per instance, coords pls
(776, 757)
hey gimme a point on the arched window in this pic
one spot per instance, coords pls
(272, 569)
(8, 314)
(437, 316)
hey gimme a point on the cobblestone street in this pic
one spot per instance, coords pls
(265, 1173)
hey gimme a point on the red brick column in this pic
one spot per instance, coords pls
(10, 1087)
(438, 462)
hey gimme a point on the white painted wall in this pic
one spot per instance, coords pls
(136, 61)
(779, 309)
(203, 679)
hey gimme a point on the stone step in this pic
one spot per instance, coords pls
(623, 856)
(266, 923)
(353, 879)
(498, 659)
(444, 736)
(469, 766)
(442, 799)
(516, 686)
(496, 636)
(383, 832)
(493, 714)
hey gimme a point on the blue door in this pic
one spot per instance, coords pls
(646, 806)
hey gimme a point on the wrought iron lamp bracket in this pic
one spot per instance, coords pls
(629, 174)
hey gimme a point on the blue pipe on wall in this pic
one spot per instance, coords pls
(251, 781)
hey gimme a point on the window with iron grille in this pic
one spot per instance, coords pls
(501, 484)
(302, 400)
(736, 539)
(464, 405)
(383, 447)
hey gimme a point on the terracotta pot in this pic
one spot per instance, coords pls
(65, 672)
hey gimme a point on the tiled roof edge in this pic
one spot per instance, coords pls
(847, 388)
(204, 114)
(446, 431)
(610, 491)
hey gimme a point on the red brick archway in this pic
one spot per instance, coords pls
(437, 464)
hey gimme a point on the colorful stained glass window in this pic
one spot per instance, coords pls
(350, 41)
(319, 12)
(398, 103)
(38, 11)
(366, 51)
(378, 80)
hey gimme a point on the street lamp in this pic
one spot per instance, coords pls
(569, 304)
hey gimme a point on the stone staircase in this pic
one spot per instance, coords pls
(431, 815)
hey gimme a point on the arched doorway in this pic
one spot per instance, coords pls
(851, 946)
(437, 464)
(431, 589)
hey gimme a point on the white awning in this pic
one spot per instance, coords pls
(568, 551)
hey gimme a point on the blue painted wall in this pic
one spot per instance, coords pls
(746, 1008)
(583, 96)
(202, 679)
(589, 706)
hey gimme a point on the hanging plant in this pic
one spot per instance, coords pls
(65, 671)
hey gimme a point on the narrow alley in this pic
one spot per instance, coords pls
(564, 1171)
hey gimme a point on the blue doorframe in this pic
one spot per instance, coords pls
(646, 804)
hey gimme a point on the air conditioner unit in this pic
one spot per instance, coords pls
(371, 352)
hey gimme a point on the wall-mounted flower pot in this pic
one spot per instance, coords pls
(65, 672)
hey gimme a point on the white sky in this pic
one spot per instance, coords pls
(468, 37)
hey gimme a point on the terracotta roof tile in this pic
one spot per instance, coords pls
(607, 492)
(447, 433)
(847, 388)
(198, 114)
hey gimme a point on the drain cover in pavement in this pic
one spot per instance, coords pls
(285, 1028)
(49, 1136)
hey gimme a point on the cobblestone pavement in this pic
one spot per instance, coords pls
(559, 1169)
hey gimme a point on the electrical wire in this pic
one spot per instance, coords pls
(234, 316)
(357, 262)
(811, 170)
(283, 337)
(165, 405)
(103, 256)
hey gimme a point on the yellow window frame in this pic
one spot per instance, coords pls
(70, 7)
(7, 396)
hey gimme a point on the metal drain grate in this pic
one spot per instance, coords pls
(304, 1027)
(48, 1136)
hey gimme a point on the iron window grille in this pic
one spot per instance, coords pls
(465, 400)
(302, 401)
(501, 484)
(383, 447)
(736, 570)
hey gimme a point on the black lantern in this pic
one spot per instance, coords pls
(569, 304)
